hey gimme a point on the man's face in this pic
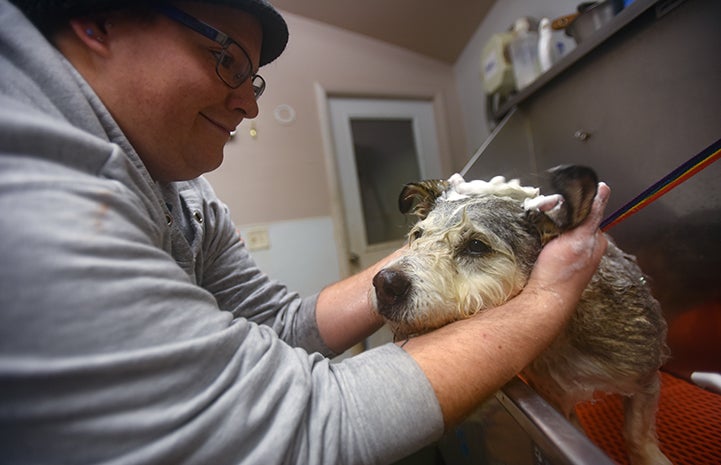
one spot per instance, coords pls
(159, 83)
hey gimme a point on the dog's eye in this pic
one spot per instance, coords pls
(416, 234)
(476, 247)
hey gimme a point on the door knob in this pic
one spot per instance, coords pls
(354, 259)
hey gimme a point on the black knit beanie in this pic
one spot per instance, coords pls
(275, 30)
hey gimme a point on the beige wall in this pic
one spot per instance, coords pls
(283, 173)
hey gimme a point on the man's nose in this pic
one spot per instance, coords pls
(243, 99)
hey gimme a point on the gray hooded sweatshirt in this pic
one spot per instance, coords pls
(135, 327)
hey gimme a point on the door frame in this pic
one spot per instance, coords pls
(323, 95)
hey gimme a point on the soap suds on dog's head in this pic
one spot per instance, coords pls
(543, 203)
(461, 189)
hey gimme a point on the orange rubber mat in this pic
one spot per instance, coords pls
(688, 423)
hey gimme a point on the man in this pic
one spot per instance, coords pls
(135, 327)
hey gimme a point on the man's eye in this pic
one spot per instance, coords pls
(227, 61)
(224, 59)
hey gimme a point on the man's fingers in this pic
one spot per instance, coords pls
(599, 206)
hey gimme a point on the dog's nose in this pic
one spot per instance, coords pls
(391, 287)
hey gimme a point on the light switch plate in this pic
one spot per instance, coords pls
(257, 238)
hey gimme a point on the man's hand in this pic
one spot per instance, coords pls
(567, 263)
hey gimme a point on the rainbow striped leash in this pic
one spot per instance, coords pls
(709, 155)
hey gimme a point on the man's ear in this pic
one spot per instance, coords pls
(93, 32)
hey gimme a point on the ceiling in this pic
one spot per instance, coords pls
(438, 29)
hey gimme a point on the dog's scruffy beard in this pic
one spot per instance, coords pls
(454, 272)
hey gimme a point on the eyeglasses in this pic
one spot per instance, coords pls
(233, 65)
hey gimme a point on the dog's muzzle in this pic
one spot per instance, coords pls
(392, 288)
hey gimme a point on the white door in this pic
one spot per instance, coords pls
(380, 145)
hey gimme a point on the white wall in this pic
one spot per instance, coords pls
(467, 68)
(290, 158)
(281, 178)
(301, 253)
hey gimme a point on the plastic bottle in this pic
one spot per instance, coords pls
(524, 53)
(547, 54)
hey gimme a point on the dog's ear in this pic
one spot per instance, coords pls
(577, 185)
(418, 198)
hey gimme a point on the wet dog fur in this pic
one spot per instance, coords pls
(476, 252)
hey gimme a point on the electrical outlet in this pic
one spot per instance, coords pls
(257, 239)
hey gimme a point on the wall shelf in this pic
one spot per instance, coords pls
(621, 20)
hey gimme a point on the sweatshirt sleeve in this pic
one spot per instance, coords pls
(109, 353)
(229, 272)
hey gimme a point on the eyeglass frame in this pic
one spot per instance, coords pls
(218, 37)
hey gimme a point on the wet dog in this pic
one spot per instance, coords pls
(474, 248)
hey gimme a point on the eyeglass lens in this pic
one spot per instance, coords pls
(234, 67)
